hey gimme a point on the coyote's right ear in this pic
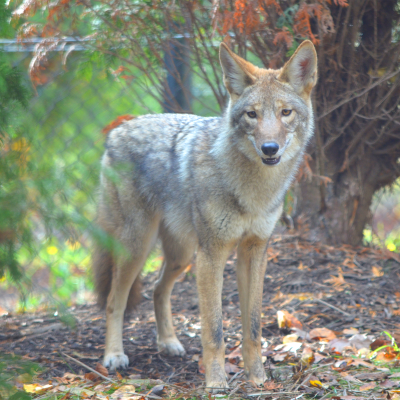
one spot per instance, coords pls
(237, 72)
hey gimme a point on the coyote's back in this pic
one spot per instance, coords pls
(208, 184)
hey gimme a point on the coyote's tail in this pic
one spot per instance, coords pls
(102, 271)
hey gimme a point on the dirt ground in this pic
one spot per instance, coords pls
(322, 286)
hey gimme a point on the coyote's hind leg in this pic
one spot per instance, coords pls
(138, 239)
(177, 256)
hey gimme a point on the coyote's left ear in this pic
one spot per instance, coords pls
(238, 73)
(301, 70)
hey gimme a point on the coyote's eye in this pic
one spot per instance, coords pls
(252, 114)
(286, 113)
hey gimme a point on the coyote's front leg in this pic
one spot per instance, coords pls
(251, 265)
(209, 273)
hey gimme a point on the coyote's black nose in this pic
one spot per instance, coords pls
(270, 148)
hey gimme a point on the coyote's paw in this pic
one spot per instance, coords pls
(217, 386)
(216, 378)
(256, 374)
(114, 361)
(172, 347)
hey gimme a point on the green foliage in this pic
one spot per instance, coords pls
(13, 164)
(61, 140)
(6, 31)
(393, 344)
(13, 368)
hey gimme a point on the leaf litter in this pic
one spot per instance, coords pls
(323, 316)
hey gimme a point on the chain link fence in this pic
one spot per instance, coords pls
(56, 144)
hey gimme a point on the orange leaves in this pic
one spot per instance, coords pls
(27, 30)
(250, 16)
(341, 3)
(321, 13)
(324, 334)
(285, 37)
(302, 20)
(245, 16)
(338, 282)
(239, 14)
(287, 320)
(92, 376)
(117, 121)
(367, 386)
(27, 8)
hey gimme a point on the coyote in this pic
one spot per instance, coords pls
(205, 184)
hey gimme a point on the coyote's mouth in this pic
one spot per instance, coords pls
(271, 161)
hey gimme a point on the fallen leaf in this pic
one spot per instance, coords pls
(311, 378)
(235, 355)
(91, 376)
(280, 357)
(322, 334)
(357, 362)
(318, 357)
(71, 377)
(81, 392)
(307, 356)
(338, 345)
(124, 392)
(300, 333)
(371, 376)
(291, 347)
(316, 383)
(377, 271)
(101, 369)
(200, 364)
(158, 390)
(337, 281)
(350, 331)
(31, 388)
(287, 320)
(290, 338)
(386, 356)
(231, 368)
(389, 384)
(395, 375)
(360, 341)
(352, 398)
(367, 386)
(349, 378)
(271, 385)
(378, 343)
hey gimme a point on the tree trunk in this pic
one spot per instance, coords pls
(337, 212)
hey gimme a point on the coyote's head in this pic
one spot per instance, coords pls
(271, 108)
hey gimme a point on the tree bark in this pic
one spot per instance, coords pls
(338, 212)
(352, 145)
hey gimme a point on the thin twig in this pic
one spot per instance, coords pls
(89, 368)
(378, 82)
(303, 382)
(235, 376)
(66, 362)
(270, 393)
(331, 306)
